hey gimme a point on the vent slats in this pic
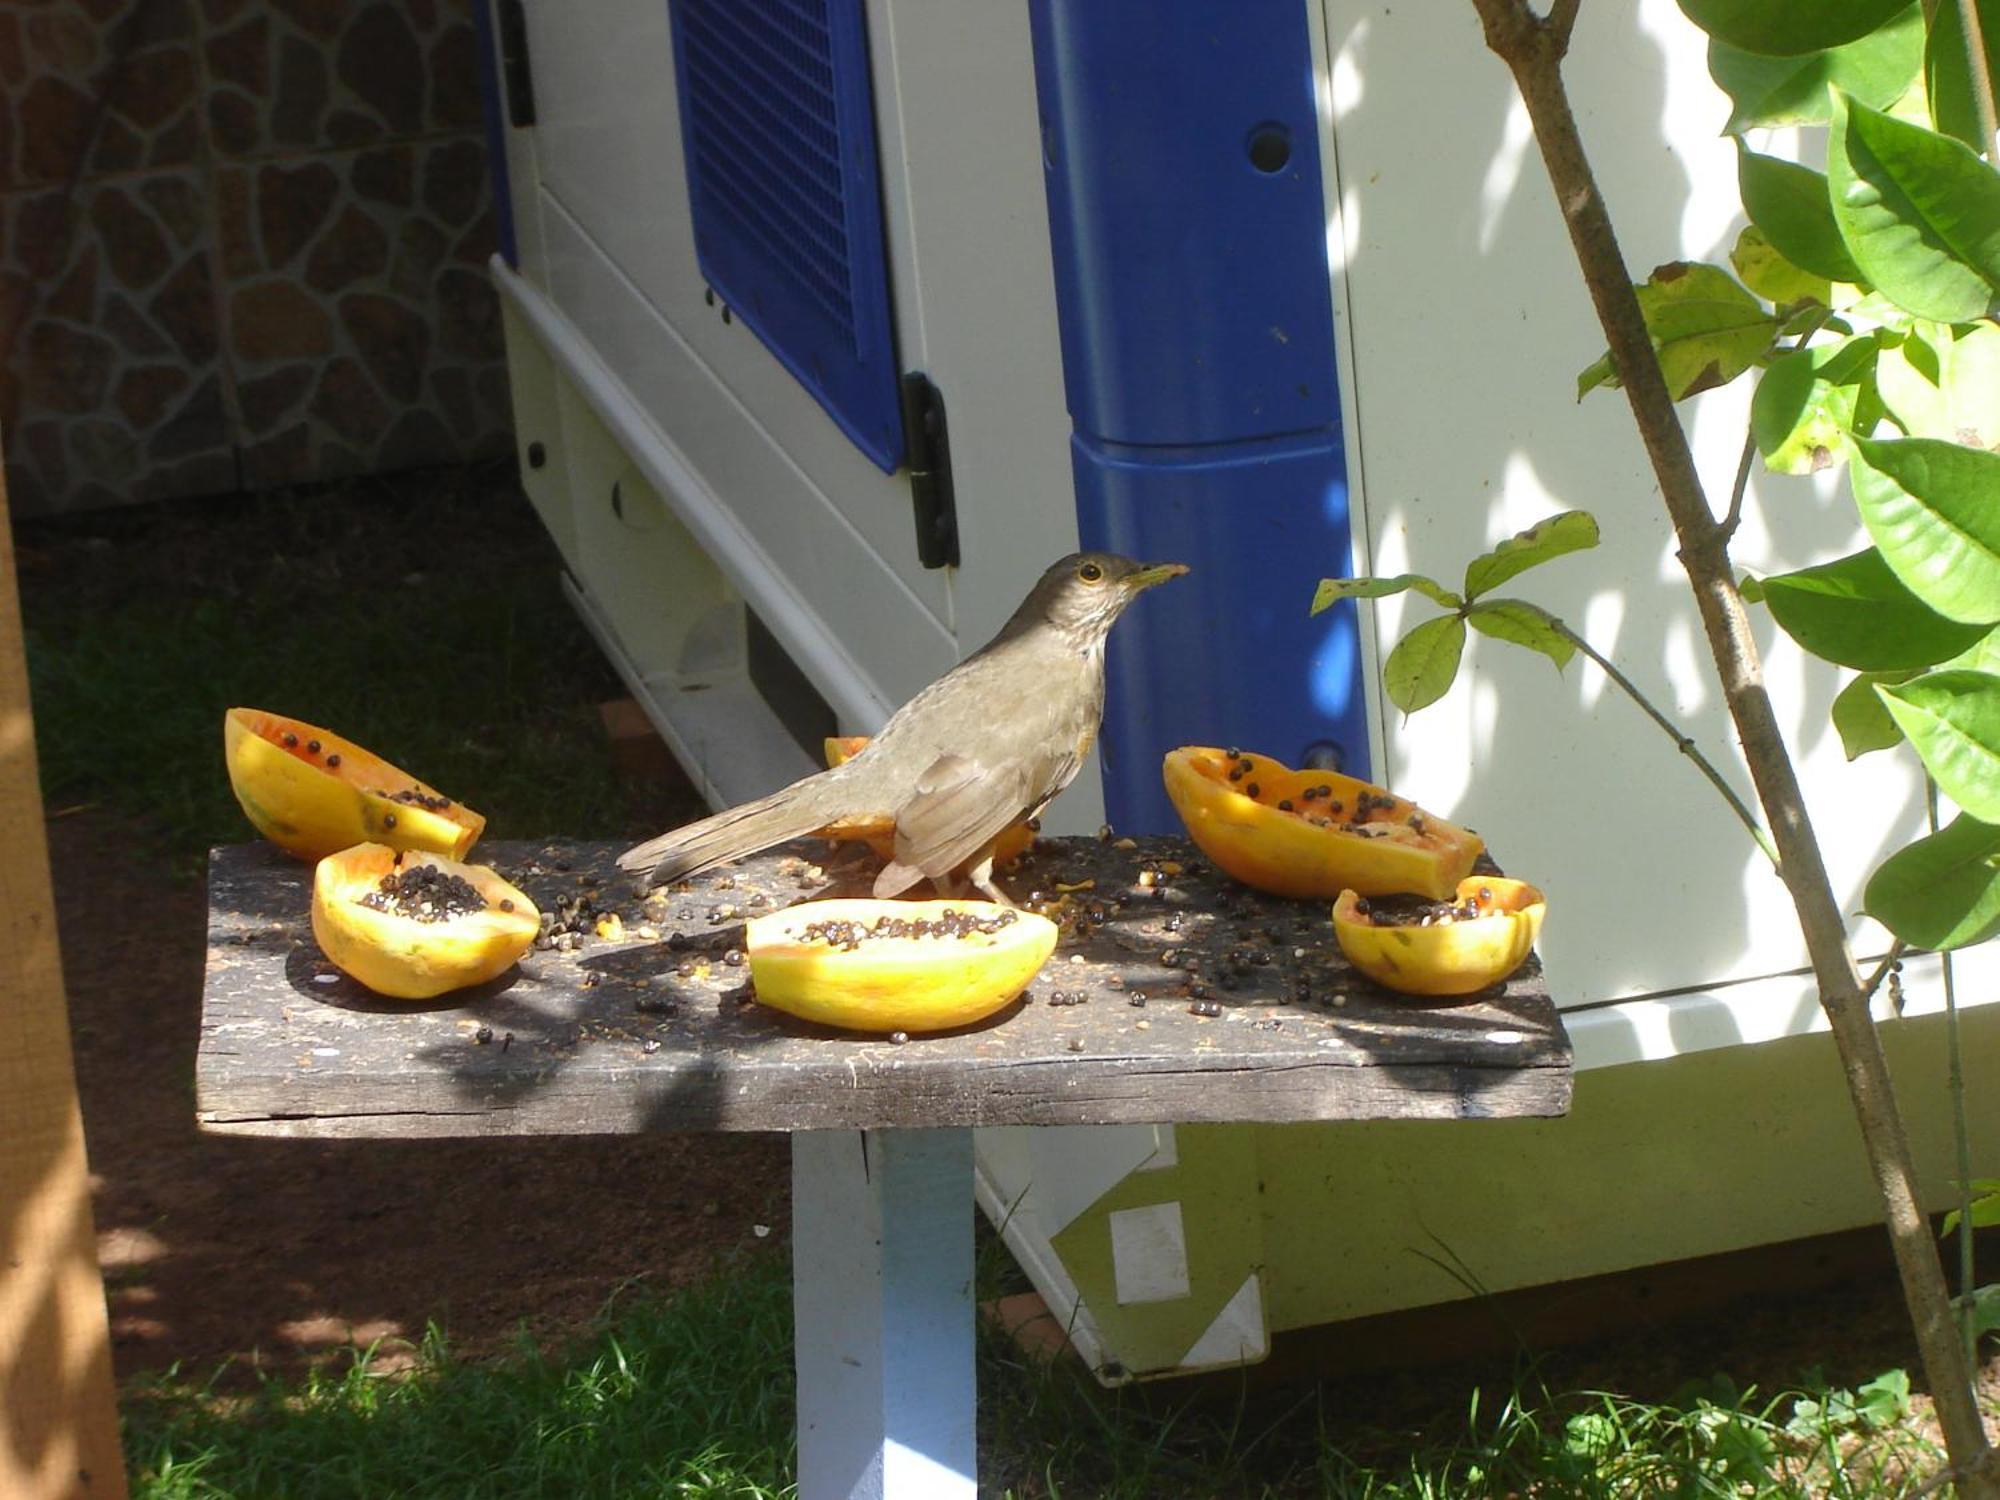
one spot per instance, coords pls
(779, 137)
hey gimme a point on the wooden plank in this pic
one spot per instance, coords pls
(58, 1414)
(660, 1033)
(882, 1287)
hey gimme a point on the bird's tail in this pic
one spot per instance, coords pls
(796, 810)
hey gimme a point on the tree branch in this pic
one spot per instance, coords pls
(1883, 970)
(1562, 21)
(1737, 491)
(1682, 742)
(1704, 554)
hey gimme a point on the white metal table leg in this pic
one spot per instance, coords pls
(882, 1289)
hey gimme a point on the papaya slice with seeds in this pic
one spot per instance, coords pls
(889, 966)
(1453, 948)
(312, 793)
(411, 925)
(1312, 834)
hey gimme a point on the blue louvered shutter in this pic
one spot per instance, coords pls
(778, 120)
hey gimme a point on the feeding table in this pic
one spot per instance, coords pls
(656, 1030)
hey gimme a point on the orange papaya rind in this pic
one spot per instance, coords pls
(1313, 834)
(1482, 937)
(312, 793)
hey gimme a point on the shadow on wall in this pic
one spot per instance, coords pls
(241, 245)
(1469, 323)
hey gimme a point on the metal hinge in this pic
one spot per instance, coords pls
(517, 78)
(927, 449)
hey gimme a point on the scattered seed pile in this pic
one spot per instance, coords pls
(849, 935)
(424, 893)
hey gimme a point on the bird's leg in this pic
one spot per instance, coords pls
(981, 875)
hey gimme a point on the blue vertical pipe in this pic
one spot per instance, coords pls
(493, 118)
(1189, 231)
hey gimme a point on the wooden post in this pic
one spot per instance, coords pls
(58, 1411)
(882, 1288)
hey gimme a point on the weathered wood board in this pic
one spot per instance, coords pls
(658, 1031)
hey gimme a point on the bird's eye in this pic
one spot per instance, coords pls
(1090, 572)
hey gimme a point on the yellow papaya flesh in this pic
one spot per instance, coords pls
(312, 793)
(886, 966)
(1313, 834)
(1477, 940)
(412, 925)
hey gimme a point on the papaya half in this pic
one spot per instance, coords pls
(1454, 948)
(1313, 834)
(887, 966)
(410, 924)
(312, 793)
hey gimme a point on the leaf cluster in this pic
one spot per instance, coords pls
(1422, 667)
(1862, 300)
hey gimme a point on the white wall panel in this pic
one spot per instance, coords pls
(1468, 322)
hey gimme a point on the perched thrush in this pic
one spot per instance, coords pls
(986, 745)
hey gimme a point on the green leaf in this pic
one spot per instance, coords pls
(1862, 719)
(1983, 655)
(1552, 537)
(1947, 70)
(1421, 668)
(1946, 385)
(1332, 590)
(1789, 203)
(1771, 276)
(1953, 720)
(1985, 1212)
(1943, 891)
(1798, 416)
(1785, 28)
(1523, 624)
(1885, 1400)
(1600, 372)
(1985, 1309)
(1857, 613)
(1878, 70)
(1919, 211)
(1930, 506)
(1706, 328)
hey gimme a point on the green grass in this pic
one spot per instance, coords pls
(684, 1397)
(418, 616)
(689, 1395)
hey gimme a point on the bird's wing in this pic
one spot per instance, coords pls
(960, 805)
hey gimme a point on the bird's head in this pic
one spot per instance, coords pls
(1082, 594)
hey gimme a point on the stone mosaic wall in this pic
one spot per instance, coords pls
(242, 244)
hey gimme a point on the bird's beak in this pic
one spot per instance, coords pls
(1146, 577)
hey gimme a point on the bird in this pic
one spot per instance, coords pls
(989, 744)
